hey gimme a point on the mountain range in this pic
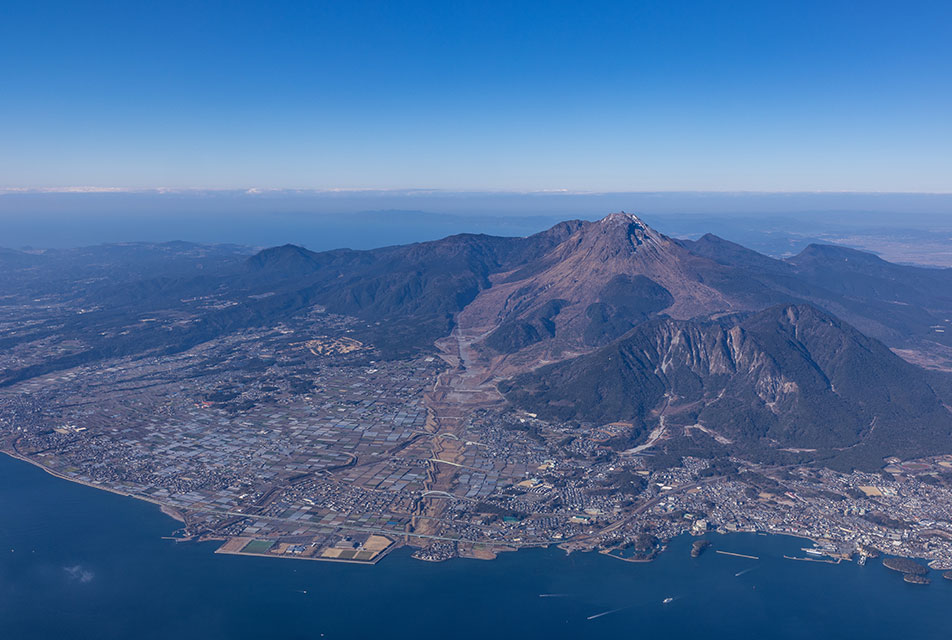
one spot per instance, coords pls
(604, 277)
(832, 354)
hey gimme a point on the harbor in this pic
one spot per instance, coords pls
(114, 567)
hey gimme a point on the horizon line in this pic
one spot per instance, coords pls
(261, 191)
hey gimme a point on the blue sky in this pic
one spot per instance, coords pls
(508, 96)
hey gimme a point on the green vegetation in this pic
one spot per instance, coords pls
(500, 512)
(257, 546)
(799, 378)
(905, 565)
(885, 521)
(699, 547)
(624, 302)
(514, 335)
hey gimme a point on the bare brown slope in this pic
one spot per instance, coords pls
(605, 278)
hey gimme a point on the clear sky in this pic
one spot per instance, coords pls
(587, 96)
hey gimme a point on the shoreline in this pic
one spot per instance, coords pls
(368, 563)
(133, 569)
(174, 513)
(169, 510)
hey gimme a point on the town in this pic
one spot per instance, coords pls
(300, 441)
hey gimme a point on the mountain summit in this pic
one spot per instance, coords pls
(604, 279)
(620, 234)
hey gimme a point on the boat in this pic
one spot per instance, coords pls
(667, 600)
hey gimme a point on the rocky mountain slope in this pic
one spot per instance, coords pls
(790, 377)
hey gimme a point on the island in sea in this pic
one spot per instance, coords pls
(598, 385)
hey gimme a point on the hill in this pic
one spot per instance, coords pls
(791, 377)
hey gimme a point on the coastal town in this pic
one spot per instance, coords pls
(300, 441)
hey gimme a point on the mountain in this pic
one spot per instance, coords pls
(758, 350)
(791, 377)
(605, 278)
(414, 291)
(572, 295)
(555, 294)
(905, 307)
(608, 276)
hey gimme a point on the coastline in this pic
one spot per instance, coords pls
(139, 578)
(221, 550)
(167, 509)
(483, 554)
(175, 514)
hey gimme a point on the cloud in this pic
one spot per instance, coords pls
(79, 189)
(78, 574)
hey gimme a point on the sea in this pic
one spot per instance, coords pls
(77, 562)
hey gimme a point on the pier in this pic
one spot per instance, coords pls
(736, 555)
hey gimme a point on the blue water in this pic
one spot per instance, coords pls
(80, 563)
